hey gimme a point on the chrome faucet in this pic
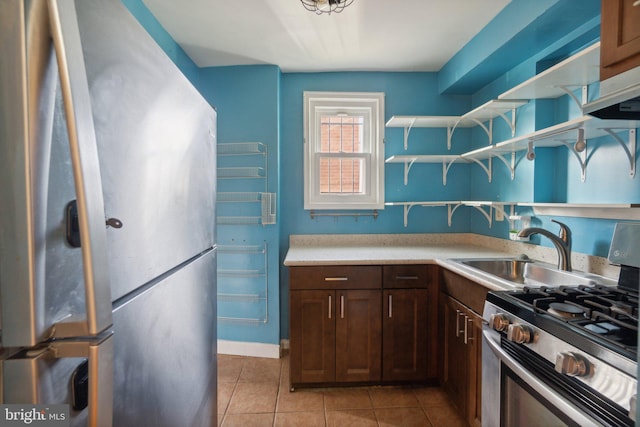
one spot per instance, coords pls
(562, 242)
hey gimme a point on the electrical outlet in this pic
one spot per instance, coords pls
(499, 215)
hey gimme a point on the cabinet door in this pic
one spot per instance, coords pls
(474, 339)
(455, 354)
(312, 336)
(358, 335)
(620, 37)
(405, 334)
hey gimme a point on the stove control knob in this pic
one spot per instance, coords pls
(520, 334)
(572, 364)
(499, 322)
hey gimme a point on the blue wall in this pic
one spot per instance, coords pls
(247, 100)
(260, 103)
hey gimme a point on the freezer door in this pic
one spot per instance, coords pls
(156, 139)
(165, 361)
(49, 158)
(74, 373)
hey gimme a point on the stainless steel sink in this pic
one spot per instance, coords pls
(508, 268)
(528, 272)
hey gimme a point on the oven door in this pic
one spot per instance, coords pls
(516, 391)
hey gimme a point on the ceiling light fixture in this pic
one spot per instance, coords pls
(326, 6)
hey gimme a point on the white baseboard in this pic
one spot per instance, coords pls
(253, 349)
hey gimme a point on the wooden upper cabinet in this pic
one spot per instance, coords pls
(619, 37)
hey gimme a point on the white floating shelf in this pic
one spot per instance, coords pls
(578, 70)
(624, 211)
(426, 122)
(409, 160)
(453, 205)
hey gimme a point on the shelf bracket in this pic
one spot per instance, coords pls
(510, 122)
(407, 168)
(450, 130)
(579, 102)
(445, 169)
(581, 156)
(511, 165)
(487, 130)
(629, 150)
(407, 131)
(451, 208)
(487, 168)
(487, 215)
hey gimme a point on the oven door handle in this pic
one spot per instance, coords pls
(539, 386)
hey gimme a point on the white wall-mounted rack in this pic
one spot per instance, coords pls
(266, 200)
(243, 283)
(241, 148)
(485, 207)
(267, 208)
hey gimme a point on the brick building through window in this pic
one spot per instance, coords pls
(340, 135)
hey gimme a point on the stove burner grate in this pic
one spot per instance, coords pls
(609, 313)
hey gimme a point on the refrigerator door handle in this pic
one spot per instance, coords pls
(21, 375)
(86, 172)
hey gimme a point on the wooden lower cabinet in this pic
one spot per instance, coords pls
(363, 335)
(461, 336)
(335, 336)
(358, 336)
(312, 337)
(405, 351)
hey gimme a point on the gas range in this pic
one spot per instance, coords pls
(600, 319)
(581, 341)
(565, 355)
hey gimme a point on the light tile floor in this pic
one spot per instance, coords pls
(254, 392)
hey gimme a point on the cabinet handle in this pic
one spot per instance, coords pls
(342, 306)
(468, 334)
(336, 279)
(466, 331)
(390, 306)
(412, 277)
(458, 314)
(329, 306)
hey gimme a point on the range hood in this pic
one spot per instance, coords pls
(619, 97)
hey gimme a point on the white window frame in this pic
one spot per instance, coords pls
(367, 104)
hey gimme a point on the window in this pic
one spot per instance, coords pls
(343, 157)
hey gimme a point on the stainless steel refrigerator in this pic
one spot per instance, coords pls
(107, 210)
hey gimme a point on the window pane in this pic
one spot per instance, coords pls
(341, 134)
(341, 176)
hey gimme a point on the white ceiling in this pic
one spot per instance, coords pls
(369, 35)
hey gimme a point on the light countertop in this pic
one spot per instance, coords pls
(380, 249)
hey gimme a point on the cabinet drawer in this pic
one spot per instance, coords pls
(469, 293)
(336, 277)
(407, 276)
